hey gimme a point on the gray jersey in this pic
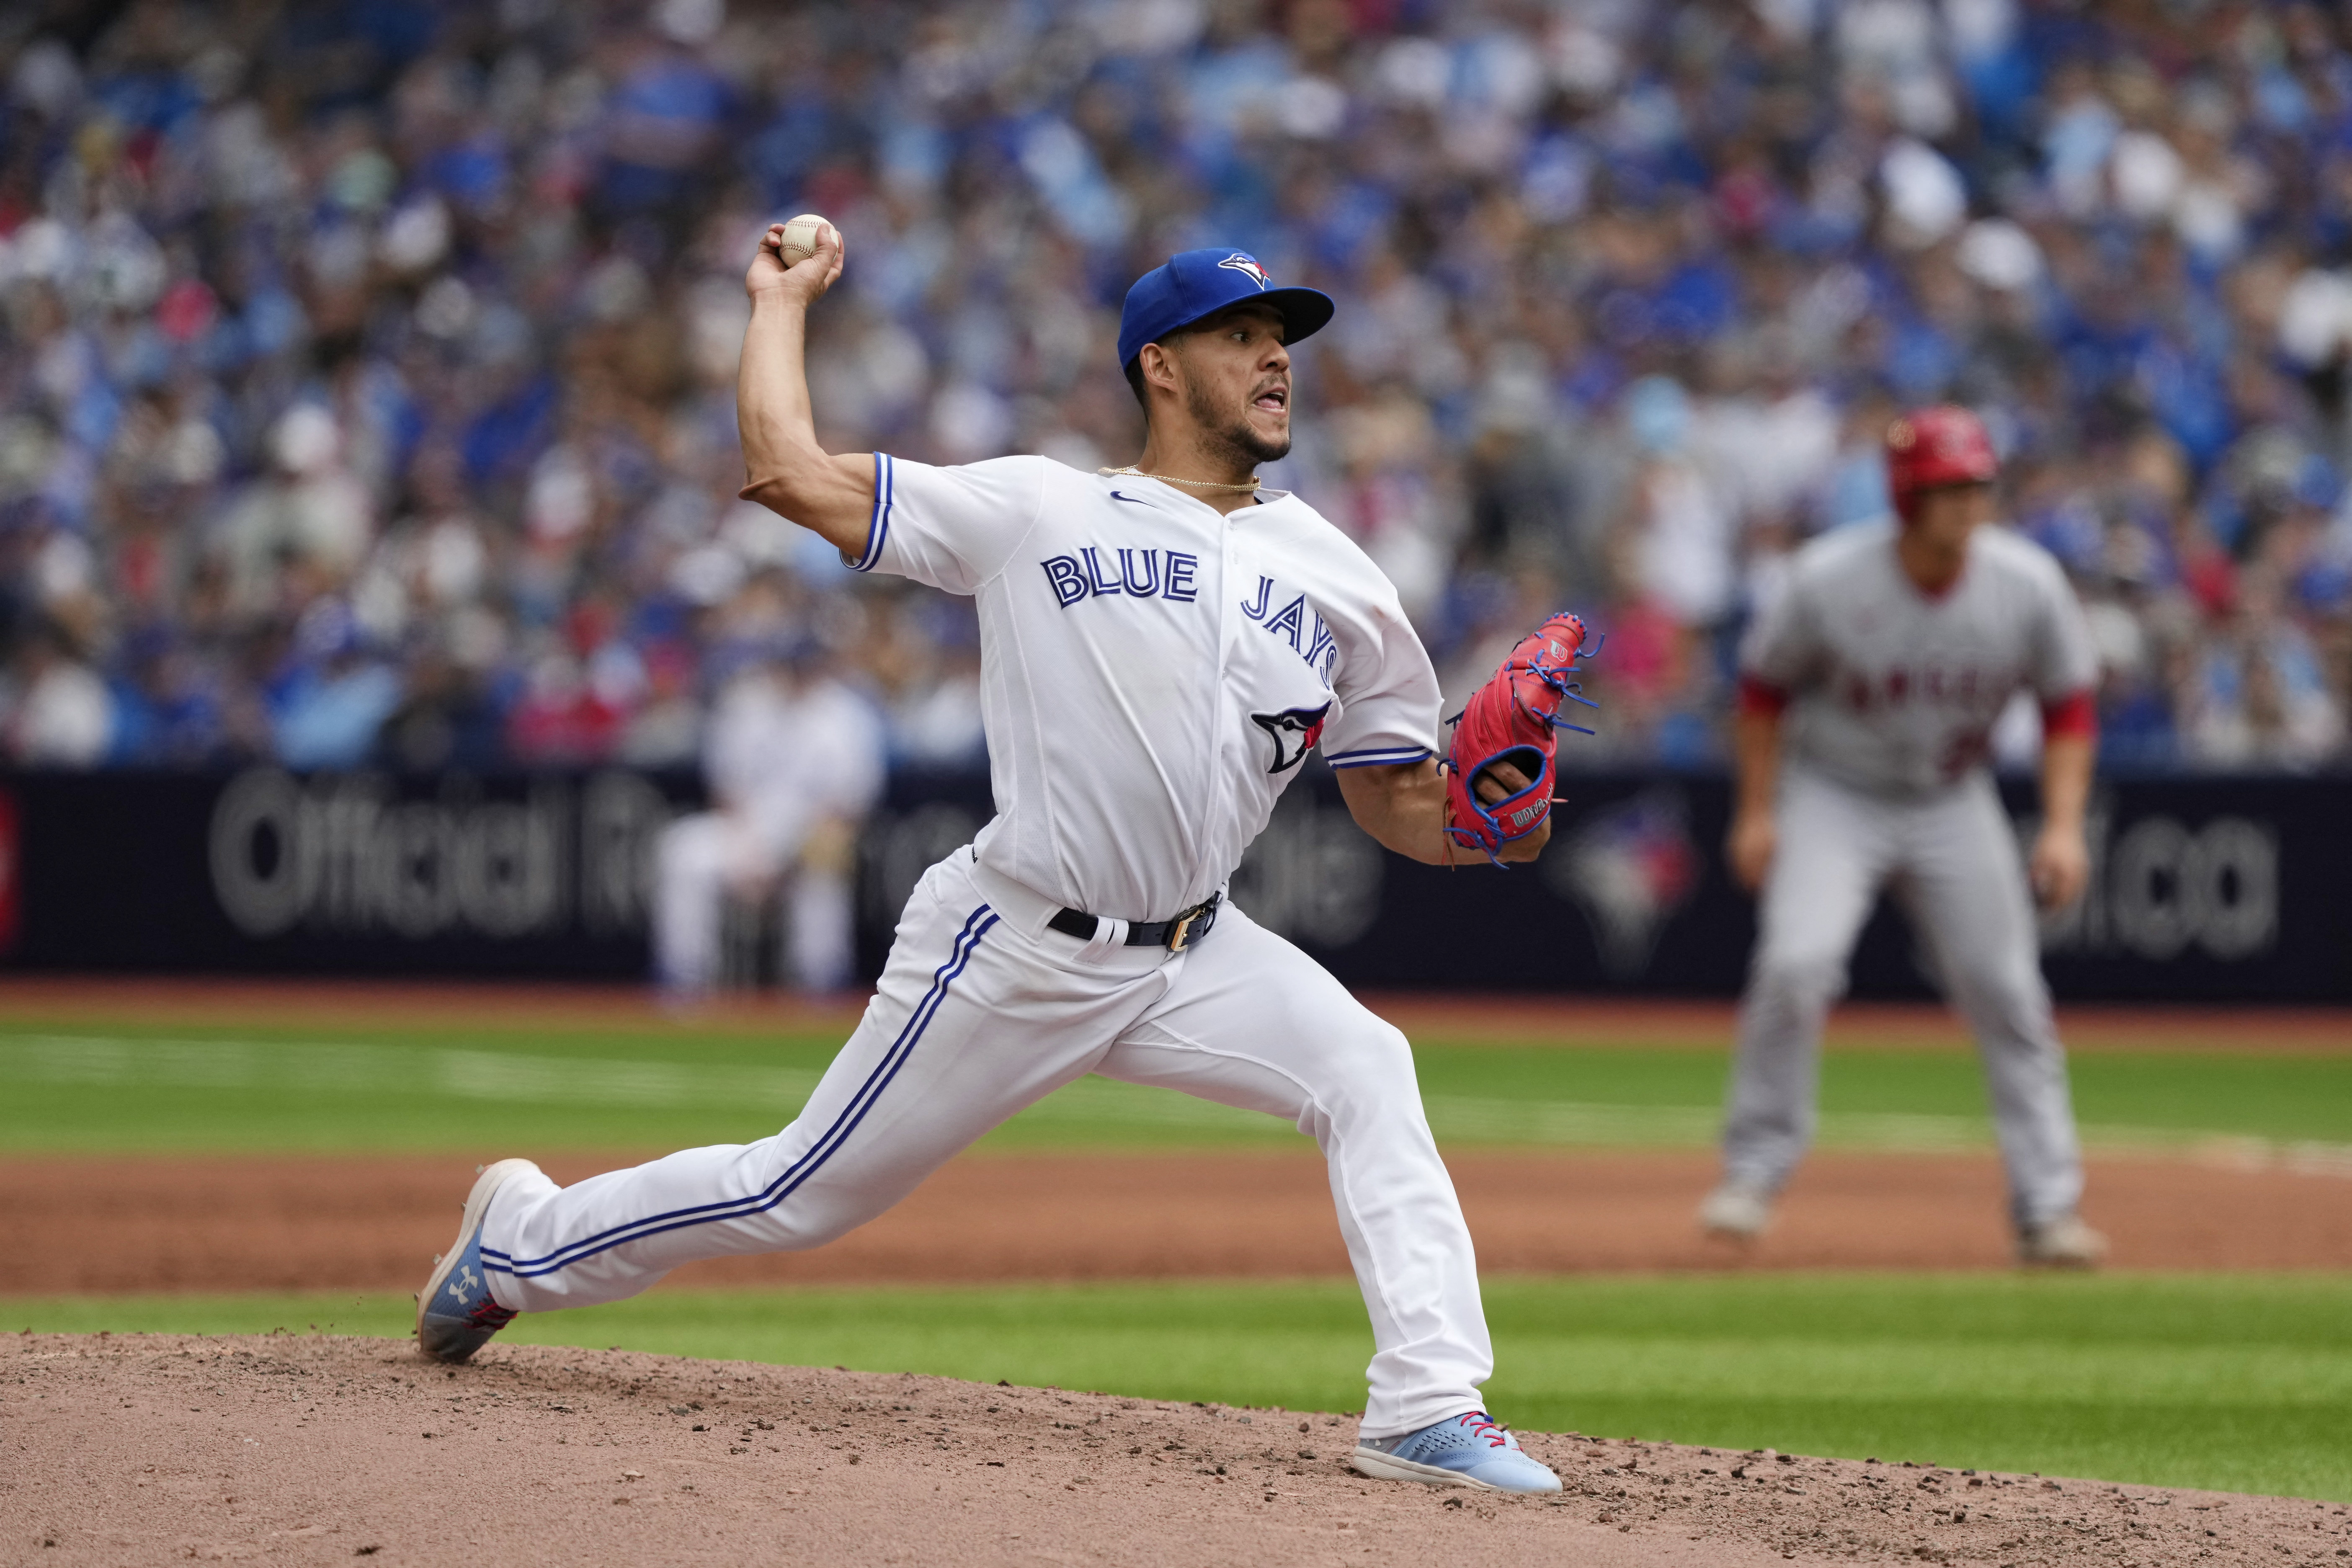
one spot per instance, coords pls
(1894, 691)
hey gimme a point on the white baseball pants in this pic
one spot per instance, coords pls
(981, 1010)
(1953, 863)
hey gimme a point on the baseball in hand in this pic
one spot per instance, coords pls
(799, 240)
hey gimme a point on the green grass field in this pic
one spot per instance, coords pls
(80, 1087)
(2238, 1383)
(2234, 1381)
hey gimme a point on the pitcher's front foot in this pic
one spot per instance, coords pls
(1469, 1450)
(456, 1313)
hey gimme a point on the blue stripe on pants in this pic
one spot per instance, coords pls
(966, 943)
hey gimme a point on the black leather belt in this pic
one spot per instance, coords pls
(1175, 935)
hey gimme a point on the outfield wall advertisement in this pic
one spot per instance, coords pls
(263, 871)
(2212, 888)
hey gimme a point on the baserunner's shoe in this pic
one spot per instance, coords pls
(455, 1314)
(2062, 1243)
(1736, 1211)
(1460, 1451)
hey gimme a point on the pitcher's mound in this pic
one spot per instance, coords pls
(138, 1449)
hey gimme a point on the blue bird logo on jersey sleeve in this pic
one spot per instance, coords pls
(1294, 732)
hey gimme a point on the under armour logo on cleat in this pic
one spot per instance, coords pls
(463, 1286)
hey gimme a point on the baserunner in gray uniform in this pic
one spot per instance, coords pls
(1868, 691)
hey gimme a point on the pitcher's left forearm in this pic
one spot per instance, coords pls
(1404, 808)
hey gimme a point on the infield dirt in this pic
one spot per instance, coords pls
(137, 1449)
(114, 1225)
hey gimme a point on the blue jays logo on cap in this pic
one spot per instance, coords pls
(1193, 284)
(1247, 266)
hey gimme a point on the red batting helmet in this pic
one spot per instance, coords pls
(1931, 447)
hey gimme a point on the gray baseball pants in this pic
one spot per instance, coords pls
(1953, 863)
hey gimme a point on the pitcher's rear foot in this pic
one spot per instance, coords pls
(1460, 1451)
(456, 1313)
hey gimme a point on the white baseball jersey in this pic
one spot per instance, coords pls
(1893, 691)
(1152, 671)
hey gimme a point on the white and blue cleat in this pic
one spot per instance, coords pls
(456, 1313)
(1468, 1450)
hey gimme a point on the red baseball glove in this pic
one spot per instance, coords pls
(1513, 719)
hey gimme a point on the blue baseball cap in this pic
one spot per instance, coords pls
(1195, 283)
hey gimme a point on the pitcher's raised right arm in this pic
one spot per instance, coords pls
(784, 470)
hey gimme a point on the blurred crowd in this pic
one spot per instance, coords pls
(366, 368)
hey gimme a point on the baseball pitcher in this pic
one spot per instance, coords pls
(1161, 646)
(1867, 693)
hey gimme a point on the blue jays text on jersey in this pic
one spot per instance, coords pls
(1138, 573)
(1147, 572)
(1316, 647)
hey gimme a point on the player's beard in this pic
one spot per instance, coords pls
(1232, 438)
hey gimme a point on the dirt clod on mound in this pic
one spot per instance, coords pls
(146, 1449)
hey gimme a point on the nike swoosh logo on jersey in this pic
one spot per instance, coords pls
(1138, 501)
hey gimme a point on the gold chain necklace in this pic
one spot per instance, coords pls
(1173, 479)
